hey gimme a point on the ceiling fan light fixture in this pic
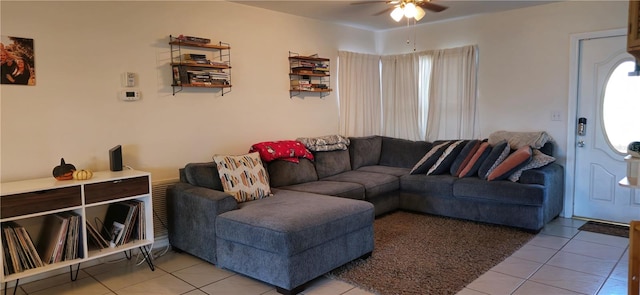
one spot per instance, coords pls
(410, 10)
(397, 14)
(419, 13)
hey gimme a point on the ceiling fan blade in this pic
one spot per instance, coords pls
(431, 6)
(368, 2)
(387, 10)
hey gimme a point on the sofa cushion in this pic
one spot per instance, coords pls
(464, 157)
(396, 171)
(499, 152)
(430, 185)
(500, 191)
(476, 161)
(332, 163)
(243, 176)
(365, 151)
(402, 152)
(374, 183)
(349, 190)
(443, 164)
(283, 172)
(516, 160)
(204, 175)
(430, 158)
(292, 222)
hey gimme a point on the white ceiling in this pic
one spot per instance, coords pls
(362, 16)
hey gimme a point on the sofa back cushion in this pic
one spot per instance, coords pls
(283, 173)
(203, 174)
(402, 153)
(365, 151)
(331, 163)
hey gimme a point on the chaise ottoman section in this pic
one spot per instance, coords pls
(293, 237)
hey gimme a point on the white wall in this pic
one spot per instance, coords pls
(82, 48)
(523, 70)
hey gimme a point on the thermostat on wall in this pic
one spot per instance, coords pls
(130, 95)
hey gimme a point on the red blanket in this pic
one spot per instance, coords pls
(287, 150)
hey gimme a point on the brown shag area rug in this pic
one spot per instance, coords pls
(606, 228)
(425, 254)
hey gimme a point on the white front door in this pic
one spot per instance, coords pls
(600, 151)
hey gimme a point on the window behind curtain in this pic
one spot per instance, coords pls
(428, 95)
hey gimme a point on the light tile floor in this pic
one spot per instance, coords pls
(559, 260)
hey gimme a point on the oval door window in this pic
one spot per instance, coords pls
(621, 107)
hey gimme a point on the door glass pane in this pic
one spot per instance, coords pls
(621, 107)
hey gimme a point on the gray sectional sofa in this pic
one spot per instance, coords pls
(321, 214)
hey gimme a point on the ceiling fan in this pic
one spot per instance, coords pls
(407, 8)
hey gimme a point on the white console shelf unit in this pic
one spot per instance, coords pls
(29, 202)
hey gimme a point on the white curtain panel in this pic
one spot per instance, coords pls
(359, 94)
(400, 99)
(452, 111)
(424, 81)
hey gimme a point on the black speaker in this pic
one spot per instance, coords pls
(115, 158)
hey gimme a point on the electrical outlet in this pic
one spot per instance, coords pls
(556, 116)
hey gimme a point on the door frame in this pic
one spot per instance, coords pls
(572, 116)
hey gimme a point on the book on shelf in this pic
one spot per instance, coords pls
(52, 237)
(115, 220)
(19, 251)
(72, 248)
(193, 39)
(6, 258)
(195, 58)
(13, 249)
(122, 222)
(95, 238)
(176, 76)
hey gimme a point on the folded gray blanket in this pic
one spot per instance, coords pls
(325, 143)
(535, 139)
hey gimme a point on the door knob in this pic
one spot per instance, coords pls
(581, 143)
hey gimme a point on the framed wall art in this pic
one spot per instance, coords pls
(17, 61)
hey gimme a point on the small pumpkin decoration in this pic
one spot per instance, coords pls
(82, 174)
(64, 171)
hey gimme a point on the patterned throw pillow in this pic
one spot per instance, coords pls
(243, 176)
(512, 163)
(476, 161)
(538, 160)
(499, 152)
(430, 158)
(448, 156)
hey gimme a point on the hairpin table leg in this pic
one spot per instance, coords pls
(128, 256)
(74, 278)
(147, 257)
(15, 288)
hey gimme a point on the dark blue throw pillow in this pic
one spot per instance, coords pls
(464, 157)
